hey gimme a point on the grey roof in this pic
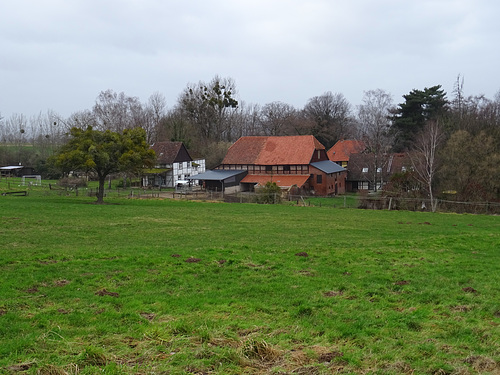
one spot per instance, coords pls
(328, 166)
(216, 175)
(11, 167)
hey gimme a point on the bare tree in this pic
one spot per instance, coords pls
(331, 116)
(210, 107)
(458, 101)
(276, 118)
(374, 130)
(80, 120)
(424, 157)
(47, 131)
(117, 112)
(250, 117)
(176, 127)
(154, 111)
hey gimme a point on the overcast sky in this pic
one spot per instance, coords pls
(59, 54)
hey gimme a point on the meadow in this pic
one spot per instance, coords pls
(163, 286)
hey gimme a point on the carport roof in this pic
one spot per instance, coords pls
(216, 175)
(328, 166)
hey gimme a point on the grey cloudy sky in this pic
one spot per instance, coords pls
(59, 54)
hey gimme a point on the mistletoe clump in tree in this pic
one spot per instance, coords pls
(104, 153)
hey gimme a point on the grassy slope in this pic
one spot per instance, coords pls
(387, 292)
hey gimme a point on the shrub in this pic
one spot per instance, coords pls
(270, 193)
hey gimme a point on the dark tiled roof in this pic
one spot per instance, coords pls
(170, 152)
(273, 150)
(216, 175)
(390, 164)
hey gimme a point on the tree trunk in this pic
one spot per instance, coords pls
(100, 190)
(431, 196)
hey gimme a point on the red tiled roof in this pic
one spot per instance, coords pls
(342, 150)
(260, 150)
(282, 181)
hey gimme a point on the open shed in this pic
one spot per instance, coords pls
(220, 180)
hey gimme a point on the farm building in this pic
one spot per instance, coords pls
(173, 164)
(367, 173)
(220, 180)
(292, 162)
(16, 171)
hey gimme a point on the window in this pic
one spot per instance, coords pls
(403, 169)
(379, 170)
(319, 179)
(269, 168)
(365, 170)
(286, 168)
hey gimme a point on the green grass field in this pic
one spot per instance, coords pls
(176, 287)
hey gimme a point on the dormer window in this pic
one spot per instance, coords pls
(365, 170)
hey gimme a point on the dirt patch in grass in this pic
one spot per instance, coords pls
(32, 290)
(175, 255)
(302, 254)
(461, 308)
(61, 282)
(148, 316)
(482, 364)
(104, 292)
(470, 290)
(21, 367)
(52, 261)
(329, 356)
(306, 356)
(333, 293)
(399, 367)
(402, 282)
(192, 260)
(306, 273)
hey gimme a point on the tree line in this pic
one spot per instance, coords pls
(209, 116)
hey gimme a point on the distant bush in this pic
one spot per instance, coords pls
(270, 193)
